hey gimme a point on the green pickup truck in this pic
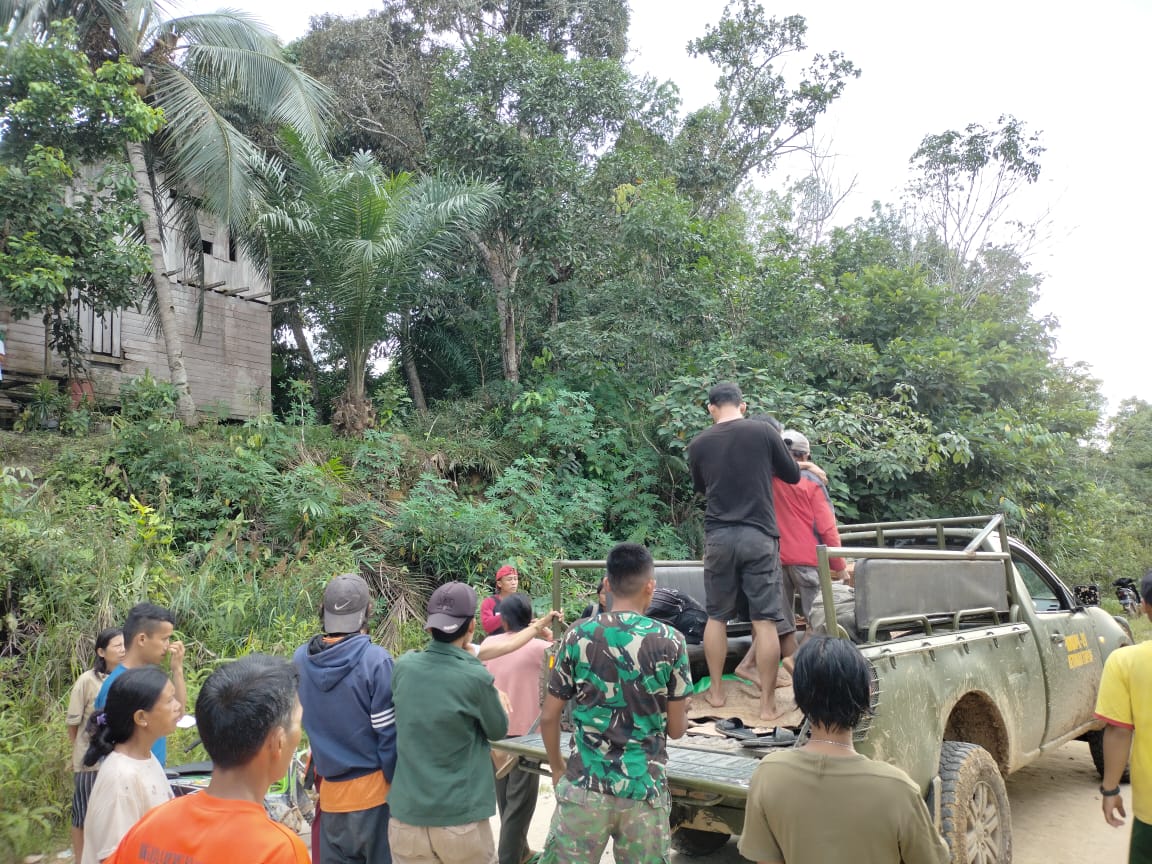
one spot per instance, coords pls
(984, 660)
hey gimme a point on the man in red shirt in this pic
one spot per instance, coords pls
(805, 519)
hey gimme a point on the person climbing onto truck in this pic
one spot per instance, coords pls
(733, 464)
(628, 678)
(1125, 704)
(870, 812)
(805, 519)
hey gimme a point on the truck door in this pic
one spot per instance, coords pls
(1068, 646)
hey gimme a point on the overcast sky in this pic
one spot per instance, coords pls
(1077, 74)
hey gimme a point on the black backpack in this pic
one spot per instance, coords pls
(679, 610)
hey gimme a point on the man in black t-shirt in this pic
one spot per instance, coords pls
(732, 464)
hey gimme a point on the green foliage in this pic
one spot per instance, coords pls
(50, 98)
(356, 243)
(759, 115)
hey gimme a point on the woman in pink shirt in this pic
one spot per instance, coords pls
(517, 675)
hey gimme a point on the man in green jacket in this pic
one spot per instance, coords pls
(447, 710)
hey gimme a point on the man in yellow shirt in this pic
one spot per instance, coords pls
(1125, 704)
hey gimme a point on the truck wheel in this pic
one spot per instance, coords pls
(977, 822)
(1096, 747)
(693, 842)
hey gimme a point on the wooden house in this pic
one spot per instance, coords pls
(229, 364)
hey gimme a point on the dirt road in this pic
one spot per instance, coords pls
(1055, 816)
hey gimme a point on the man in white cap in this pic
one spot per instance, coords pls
(346, 691)
(447, 710)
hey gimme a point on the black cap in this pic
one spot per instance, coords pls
(450, 607)
(346, 602)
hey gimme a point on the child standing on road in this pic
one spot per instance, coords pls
(81, 705)
(142, 708)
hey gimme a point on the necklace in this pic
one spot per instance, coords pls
(830, 741)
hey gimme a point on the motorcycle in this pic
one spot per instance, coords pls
(1128, 596)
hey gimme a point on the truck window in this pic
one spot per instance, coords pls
(1044, 597)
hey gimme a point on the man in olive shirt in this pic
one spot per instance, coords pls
(447, 710)
(869, 812)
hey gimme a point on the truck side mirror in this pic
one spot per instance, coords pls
(1086, 595)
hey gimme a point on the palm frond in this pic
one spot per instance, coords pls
(241, 55)
(201, 150)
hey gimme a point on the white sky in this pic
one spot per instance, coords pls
(1076, 74)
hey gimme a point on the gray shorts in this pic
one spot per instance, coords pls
(805, 581)
(739, 559)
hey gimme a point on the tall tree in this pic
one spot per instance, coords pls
(191, 65)
(963, 186)
(382, 67)
(515, 113)
(356, 244)
(577, 28)
(1129, 457)
(759, 114)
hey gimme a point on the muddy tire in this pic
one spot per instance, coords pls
(1096, 747)
(976, 819)
(690, 841)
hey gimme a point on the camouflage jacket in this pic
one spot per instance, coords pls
(620, 669)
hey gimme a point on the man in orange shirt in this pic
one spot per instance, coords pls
(249, 719)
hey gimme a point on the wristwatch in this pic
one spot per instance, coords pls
(1109, 793)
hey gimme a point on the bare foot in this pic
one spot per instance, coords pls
(748, 674)
(789, 663)
(715, 697)
(768, 711)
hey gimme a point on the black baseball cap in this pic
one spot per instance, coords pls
(450, 607)
(346, 602)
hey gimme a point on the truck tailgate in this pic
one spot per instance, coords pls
(689, 766)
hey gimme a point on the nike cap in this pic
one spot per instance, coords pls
(450, 607)
(346, 602)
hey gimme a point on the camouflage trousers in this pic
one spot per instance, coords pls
(584, 821)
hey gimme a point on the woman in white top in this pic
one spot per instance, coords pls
(109, 653)
(142, 707)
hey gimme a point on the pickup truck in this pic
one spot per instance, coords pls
(983, 660)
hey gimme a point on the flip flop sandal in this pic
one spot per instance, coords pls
(734, 728)
(778, 737)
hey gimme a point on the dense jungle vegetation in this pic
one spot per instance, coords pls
(509, 274)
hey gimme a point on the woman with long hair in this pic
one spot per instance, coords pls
(81, 704)
(142, 707)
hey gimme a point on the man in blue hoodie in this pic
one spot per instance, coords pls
(346, 691)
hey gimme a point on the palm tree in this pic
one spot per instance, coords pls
(194, 66)
(357, 245)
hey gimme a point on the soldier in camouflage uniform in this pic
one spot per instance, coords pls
(628, 678)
